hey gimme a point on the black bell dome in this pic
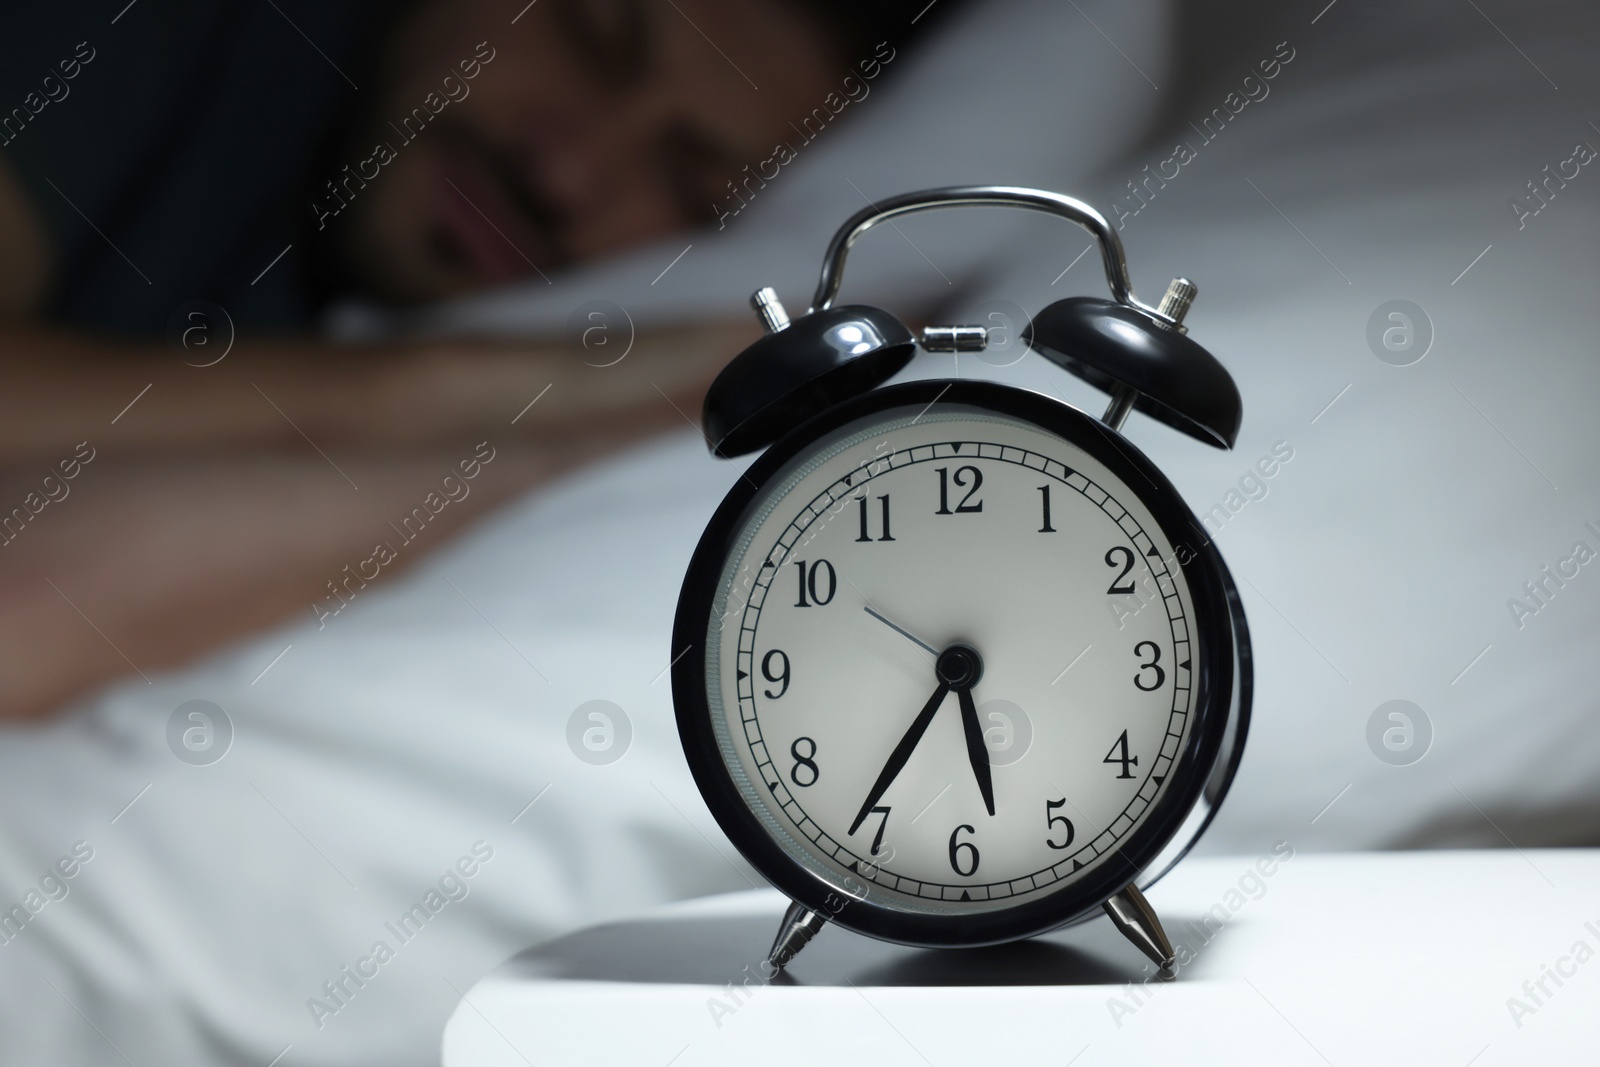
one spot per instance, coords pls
(799, 371)
(1108, 344)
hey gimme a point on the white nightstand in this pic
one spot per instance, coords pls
(1454, 958)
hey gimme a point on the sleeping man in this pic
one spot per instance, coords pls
(312, 771)
(184, 190)
(179, 175)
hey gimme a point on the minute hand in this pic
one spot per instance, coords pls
(901, 753)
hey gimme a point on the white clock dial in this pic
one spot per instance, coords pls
(955, 529)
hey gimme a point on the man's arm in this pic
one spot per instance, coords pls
(59, 388)
(140, 564)
(223, 498)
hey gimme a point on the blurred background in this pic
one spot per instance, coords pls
(349, 378)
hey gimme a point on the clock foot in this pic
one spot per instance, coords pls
(1137, 920)
(800, 924)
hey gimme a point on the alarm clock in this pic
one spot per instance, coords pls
(954, 664)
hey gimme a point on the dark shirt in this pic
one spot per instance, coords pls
(171, 147)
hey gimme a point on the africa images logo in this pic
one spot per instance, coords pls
(453, 886)
(343, 190)
(810, 128)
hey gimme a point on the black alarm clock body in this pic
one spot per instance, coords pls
(954, 663)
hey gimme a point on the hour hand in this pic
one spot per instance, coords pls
(977, 751)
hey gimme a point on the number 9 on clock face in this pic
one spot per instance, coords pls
(883, 596)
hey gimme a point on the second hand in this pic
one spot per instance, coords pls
(903, 632)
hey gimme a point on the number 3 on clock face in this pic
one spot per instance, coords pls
(888, 597)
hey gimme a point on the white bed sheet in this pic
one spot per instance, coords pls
(424, 719)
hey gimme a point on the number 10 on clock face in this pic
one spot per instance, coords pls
(951, 662)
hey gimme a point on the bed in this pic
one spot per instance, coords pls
(230, 911)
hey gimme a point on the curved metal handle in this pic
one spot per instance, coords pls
(1111, 253)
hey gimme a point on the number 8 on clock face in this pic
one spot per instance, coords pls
(903, 589)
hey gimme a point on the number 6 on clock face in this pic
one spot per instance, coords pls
(887, 571)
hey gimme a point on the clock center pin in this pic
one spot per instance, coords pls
(959, 666)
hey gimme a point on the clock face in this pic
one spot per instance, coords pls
(952, 662)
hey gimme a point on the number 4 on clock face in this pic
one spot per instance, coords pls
(1119, 754)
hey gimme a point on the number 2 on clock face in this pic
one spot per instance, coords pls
(844, 708)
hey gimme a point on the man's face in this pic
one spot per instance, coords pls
(596, 125)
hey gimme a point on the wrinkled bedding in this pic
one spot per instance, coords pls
(424, 731)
